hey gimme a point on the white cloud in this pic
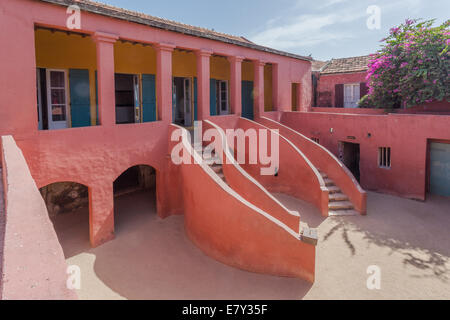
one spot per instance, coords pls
(306, 30)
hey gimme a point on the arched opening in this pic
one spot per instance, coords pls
(68, 208)
(134, 198)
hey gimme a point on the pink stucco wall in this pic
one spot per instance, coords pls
(324, 161)
(407, 135)
(296, 175)
(95, 156)
(235, 231)
(34, 266)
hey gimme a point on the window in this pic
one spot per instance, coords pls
(57, 98)
(316, 140)
(127, 98)
(222, 106)
(351, 95)
(384, 157)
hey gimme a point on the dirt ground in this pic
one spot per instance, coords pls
(153, 259)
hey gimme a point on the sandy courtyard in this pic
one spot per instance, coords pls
(153, 259)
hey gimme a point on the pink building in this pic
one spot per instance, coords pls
(341, 82)
(89, 113)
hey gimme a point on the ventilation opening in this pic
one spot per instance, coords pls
(384, 157)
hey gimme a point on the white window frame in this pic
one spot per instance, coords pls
(354, 101)
(39, 98)
(219, 97)
(54, 125)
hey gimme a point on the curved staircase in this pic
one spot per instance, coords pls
(338, 204)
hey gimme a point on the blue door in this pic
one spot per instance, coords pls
(148, 98)
(247, 99)
(80, 100)
(96, 99)
(440, 169)
(212, 97)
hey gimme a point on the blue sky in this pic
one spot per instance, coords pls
(323, 28)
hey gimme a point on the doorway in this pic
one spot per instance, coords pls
(182, 101)
(247, 99)
(439, 168)
(349, 154)
(128, 103)
(134, 197)
(67, 205)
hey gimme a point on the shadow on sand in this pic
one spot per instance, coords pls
(152, 258)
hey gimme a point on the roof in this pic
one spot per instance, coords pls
(317, 65)
(347, 65)
(155, 22)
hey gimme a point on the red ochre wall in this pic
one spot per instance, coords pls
(407, 135)
(327, 82)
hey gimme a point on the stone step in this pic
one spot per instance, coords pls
(337, 197)
(217, 168)
(210, 158)
(333, 189)
(340, 205)
(334, 213)
(328, 182)
(221, 176)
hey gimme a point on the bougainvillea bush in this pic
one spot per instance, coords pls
(411, 68)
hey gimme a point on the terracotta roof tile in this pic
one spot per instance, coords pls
(316, 65)
(346, 65)
(137, 17)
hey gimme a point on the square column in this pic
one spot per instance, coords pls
(101, 213)
(203, 83)
(258, 91)
(164, 81)
(236, 85)
(105, 77)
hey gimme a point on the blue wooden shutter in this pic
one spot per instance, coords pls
(212, 98)
(148, 98)
(96, 99)
(80, 101)
(247, 99)
(195, 99)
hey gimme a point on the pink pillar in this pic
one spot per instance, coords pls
(299, 97)
(275, 88)
(236, 84)
(164, 80)
(101, 213)
(258, 92)
(305, 96)
(203, 83)
(105, 77)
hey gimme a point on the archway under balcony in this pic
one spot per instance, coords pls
(134, 198)
(67, 204)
